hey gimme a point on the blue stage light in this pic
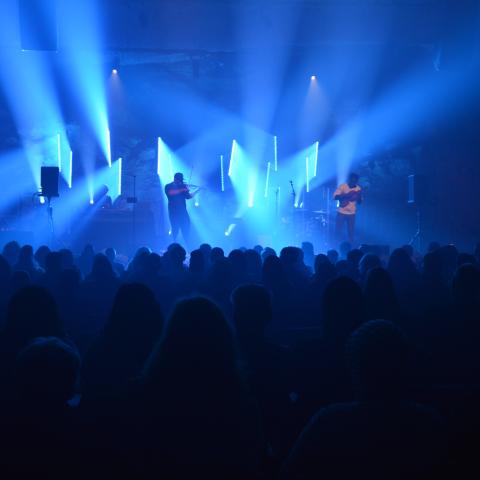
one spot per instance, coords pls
(232, 157)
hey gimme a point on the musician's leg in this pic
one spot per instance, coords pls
(351, 228)
(339, 227)
(174, 224)
(186, 228)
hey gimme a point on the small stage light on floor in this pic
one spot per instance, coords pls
(114, 71)
(313, 78)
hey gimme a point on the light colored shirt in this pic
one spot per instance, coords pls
(347, 206)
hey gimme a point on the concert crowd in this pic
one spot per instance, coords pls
(248, 364)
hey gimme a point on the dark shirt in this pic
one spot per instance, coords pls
(178, 201)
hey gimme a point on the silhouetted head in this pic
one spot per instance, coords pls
(216, 254)
(32, 312)
(353, 180)
(5, 271)
(197, 262)
(196, 355)
(272, 271)
(354, 256)
(324, 269)
(53, 263)
(252, 310)
(102, 269)
(432, 246)
(268, 252)
(254, 264)
(332, 256)
(111, 254)
(68, 260)
(10, 252)
(258, 249)
(368, 262)
(46, 372)
(377, 354)
(401, 266)
(464, 258)
(135, 314)
(25, 256)
(176, 255)
(343, 309)
(178, 178)
(206, 250)
(41, 255)
(466, 287)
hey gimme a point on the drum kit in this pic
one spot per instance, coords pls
(311, 224)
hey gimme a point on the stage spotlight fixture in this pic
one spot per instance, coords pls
(114, 71)
(91, 201)
(313, 77)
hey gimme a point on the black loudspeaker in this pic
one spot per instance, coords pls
(38, 24)
(417, 189)
(49, 181)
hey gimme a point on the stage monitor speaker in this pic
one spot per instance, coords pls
(49, 181)
(38, 24)
(417, 189)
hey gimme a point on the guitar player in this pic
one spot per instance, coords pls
(349, 195)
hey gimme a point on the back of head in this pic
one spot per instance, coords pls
(68, 260)
(343, 309)
(354, 256)
(332, 256)
(46, 372)
(53, 263)
(32, 312)
(377, 355)
(197, 262)
(466, 287)
(5, 270)
(10, 252)
(324, 269)
(197, 351)
(272, 270)
(216, 254)
(102, 268)
(400, 265)
(176, 255)
(252, 310)
(368, 262)
(135, 313)
(41, 255)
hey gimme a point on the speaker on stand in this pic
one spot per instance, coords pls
(49, 190)
(417, 195)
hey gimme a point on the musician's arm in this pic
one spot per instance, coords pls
(176, 191)
(337, 195)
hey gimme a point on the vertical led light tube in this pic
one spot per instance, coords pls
(267, 180)
(316, 160)
(275, 154)
(307, 176)
(159, 145)
(119, 176)
(222, 175)
(232, 155)
(59, 153)
(70, 171)
(109, 149)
